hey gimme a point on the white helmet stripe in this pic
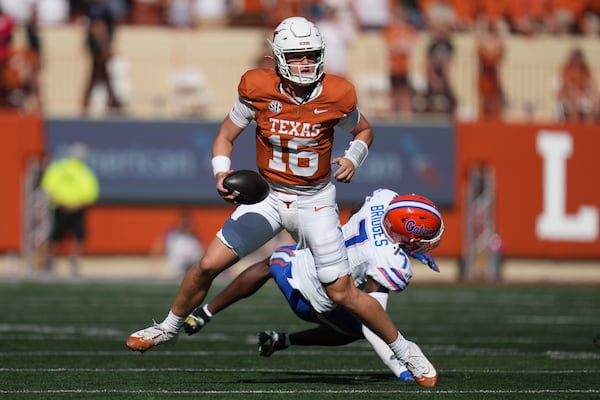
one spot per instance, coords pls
(415, 204)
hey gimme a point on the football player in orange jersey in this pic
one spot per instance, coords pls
(295, 107)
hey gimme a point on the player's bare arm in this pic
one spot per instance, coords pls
(347, 164)
(221, 152)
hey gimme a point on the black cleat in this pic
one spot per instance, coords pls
(270, 341)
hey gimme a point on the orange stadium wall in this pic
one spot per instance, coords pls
(21, 140)
(121, 229)
(547, 203)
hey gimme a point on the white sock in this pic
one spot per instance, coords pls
(399, 346)
(172, 323)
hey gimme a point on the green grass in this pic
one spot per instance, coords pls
(67, 341)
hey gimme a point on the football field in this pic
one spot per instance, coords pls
(66, 340)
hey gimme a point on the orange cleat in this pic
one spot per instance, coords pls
(147, 338)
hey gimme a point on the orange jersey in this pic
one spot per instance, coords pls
(294, 141)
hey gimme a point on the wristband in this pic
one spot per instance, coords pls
(220, 164)
(357, 152)
(208, 313)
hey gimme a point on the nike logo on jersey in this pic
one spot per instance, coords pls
(317, 111)
(317, 209)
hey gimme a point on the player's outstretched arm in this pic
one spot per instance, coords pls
(221, 152)
(245, 284)
(356, 153)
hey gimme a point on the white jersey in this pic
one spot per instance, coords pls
(370, 253)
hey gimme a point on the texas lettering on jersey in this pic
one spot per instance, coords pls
(294, 141)
(294, 128)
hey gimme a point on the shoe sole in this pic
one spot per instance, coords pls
(427, 381)
(138, 344)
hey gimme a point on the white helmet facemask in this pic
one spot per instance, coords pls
(298, 35)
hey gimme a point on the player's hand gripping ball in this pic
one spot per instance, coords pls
(247, 186)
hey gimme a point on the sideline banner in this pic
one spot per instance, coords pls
(547, 191)
(168, 162)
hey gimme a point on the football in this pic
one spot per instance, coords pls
(250, 187)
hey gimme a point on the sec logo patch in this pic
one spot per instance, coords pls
(275, 107)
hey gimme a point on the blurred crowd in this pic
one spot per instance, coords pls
(399, 22)
(517, 16)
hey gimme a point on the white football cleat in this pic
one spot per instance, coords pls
(423, 371)
(147, 338)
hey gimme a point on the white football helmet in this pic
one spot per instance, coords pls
(298, 35)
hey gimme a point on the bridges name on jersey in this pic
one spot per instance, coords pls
(370, 252)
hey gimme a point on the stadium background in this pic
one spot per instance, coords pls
(525, 176)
